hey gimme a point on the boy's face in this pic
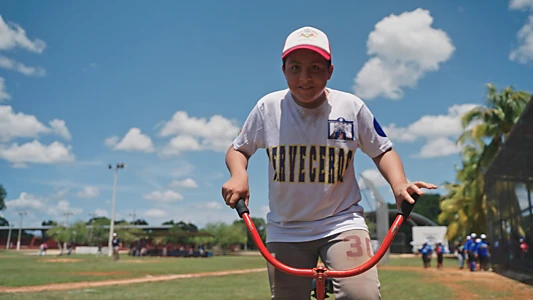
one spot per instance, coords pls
(307, 74)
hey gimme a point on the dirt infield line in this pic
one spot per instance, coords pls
(91, 284)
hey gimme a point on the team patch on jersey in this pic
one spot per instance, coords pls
(378, 128)
(340, 129)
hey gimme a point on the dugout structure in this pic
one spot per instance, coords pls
(509, 188)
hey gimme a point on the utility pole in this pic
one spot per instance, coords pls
(133, 217)
(9, 236)
(21, 214)
(66, 215)
(112, 222)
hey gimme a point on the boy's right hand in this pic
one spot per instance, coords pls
(236, 188)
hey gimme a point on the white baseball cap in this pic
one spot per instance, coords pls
(307, 38)
(483, 236)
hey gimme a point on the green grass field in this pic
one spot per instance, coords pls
(403, 278)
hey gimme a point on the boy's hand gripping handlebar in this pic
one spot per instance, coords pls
(321, 273)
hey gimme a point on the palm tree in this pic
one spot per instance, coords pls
(485, 130)
(493, 121)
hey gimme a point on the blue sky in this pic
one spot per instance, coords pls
(164, 87)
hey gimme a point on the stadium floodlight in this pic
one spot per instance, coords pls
(21, 214)
(112, 222)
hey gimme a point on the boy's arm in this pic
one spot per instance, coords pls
(237, 186)
(391, 168)
(236, 161)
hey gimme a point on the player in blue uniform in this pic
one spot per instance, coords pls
(483, 253)
(470, 245)
(426, 250)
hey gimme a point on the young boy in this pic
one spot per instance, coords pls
(310, 133)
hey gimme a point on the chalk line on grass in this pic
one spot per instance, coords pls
(148, 278)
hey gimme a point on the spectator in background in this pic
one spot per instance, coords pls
(460, 253)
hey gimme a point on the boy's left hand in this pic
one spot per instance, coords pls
(403, 191)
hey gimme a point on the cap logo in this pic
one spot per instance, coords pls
(307, 34)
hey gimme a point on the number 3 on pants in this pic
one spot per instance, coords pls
(357, 247)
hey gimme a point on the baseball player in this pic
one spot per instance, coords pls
(470, 246)
(426, 251)
(482, 253)
(439, 250)
(116, 246)
(310, 134)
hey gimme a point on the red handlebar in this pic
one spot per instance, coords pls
(320, 273)
(398, 221)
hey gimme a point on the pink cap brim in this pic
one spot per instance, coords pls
(314, 48)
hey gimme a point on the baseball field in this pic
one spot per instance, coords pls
(28, 276)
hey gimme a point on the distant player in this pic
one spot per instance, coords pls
(460, 253)
(426, 251)
(470, 247)
(439, 250)
(482, 252)
(115, 243)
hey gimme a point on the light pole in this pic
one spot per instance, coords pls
(9, 236)
(66, 215)
(112, 222)
(21, 214)
(133, 217)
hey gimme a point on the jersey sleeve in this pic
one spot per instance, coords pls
(251, 136)
(372, 139)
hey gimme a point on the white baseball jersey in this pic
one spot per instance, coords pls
(313, 191)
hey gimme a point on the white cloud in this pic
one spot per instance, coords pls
(197, 134)
(3, 94)
(521, 4)
(14, 36)
(10, 64)
(185, 183)
(375, 177)
(34, 204)
(89, 192)
(405, 47)
(182, 143)
(524, 52)
(155, 213)
(59, 128)
(437, 130)
(438, 147)
(13, 125)
(134, 140)
(35, 152)
(431, 126)
(100, 212)
(60, 194)
(166, 196)
(26, 202)
(212, 205)
(63, 207)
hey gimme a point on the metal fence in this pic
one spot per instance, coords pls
(509, 191)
